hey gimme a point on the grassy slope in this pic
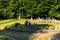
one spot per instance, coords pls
(9, 22)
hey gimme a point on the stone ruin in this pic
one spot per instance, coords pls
(27, 23)
(47, 18)
(16, 25)
(5, 27)
(51, 27)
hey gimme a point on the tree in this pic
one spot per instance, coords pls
(55, 12)
(28, 8)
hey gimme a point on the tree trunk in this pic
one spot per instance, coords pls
(18, 15)
(38, 17)
(31, 18)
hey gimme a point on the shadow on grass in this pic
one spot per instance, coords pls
(33, 28)
(21, 32)
(15, 35)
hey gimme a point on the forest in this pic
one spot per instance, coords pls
(10, 9)
(16, 23)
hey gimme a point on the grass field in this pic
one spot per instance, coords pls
(28, 36)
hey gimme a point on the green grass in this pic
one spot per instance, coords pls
(4, 38)
(41, 38)
(22, 36)
(49, 22)
(9, 22)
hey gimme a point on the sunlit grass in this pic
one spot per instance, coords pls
(7, 22)
(10, 22)
(40, 38)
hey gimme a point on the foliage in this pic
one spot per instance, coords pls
(55, 12)
(28, 8)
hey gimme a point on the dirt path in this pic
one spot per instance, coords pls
(49, 34)
(36, 36)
